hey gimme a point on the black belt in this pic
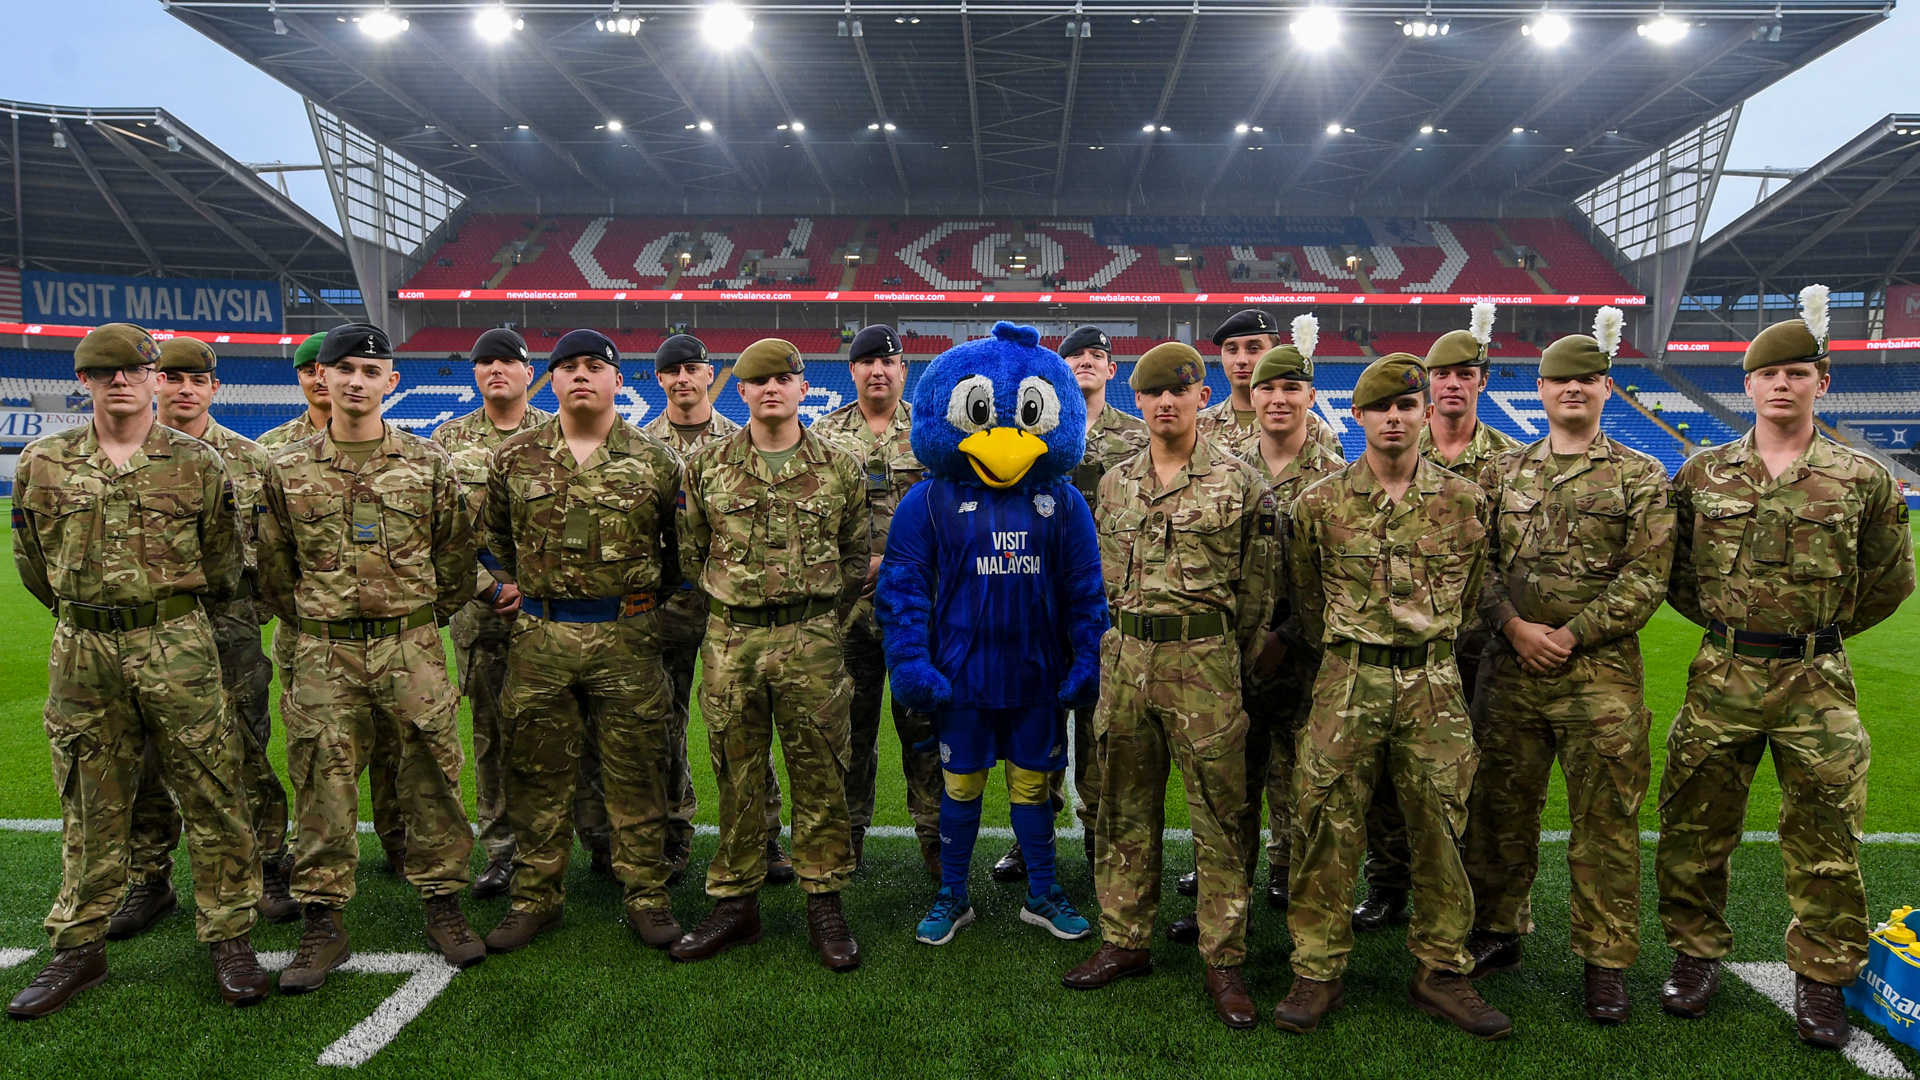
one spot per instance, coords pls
(1774, 646)
(598, 610)
(1170, 627)
(1393, 656)
(138, 617)
(777, 615)
(366, 629)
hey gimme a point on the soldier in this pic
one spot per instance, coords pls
(1455, 439)
(185, 387)
(690, 421)
(382, 763)
(1187, 533)
(1385, 559)
(1788, 544)
(580, 517)
(1584, 543)
(503, 371)
(366, 548)
(125, 528)
(1243, 339)
(775, 526)
(875, 429)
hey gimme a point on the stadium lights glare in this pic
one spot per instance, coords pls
(1333, 128)
(1548, 30)
(615, 125)
(1422, 29)
(1664, 30)
(381, 25)
(1317, 28)
(706, 125)
(1146, 127)
(724, 26)
(1241, 129)
(888, 127)
(1519, 131)
(795, 126)
(621, 25)
(496, 24)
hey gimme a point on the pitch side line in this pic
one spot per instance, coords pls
(1774, 979)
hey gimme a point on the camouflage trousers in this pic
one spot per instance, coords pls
(919, 749)
(1372, 726)
(791, 680)
(1163, 704)
(1389, 860)
(107, 694)
(563, 680)
(345, 694)
(1736, 709)
(1086, 773)
(1277, 708)
(245, 679)
(1590, 716)
(683, 626)
(382, 762)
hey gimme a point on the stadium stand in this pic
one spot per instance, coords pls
(1887, 392)
(1567, 261)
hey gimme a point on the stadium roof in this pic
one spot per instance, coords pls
(137, 192)
(1187, 107)
(1848, 222)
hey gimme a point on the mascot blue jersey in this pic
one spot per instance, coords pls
(998, 565)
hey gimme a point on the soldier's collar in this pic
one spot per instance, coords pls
(1741, 449)
(1428, 477)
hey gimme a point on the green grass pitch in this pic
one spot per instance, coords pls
(589, 1000)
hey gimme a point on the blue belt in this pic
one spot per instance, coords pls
(603, 609)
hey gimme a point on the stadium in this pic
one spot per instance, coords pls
(803, 170)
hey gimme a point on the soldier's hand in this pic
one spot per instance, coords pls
(873, 576)
(507, 604)
(1539, 652)
(1272, 652)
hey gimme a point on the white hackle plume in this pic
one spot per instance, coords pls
(1813, 309)
(1306, 334)
(1481, 325)
(1607, 324)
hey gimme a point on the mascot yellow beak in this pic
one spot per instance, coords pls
(1002, 455)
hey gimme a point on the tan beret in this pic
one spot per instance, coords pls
(1283, 362)
(1575, 354)
(1170, 363)
(1456, 348)
(1787, 342)
(185, 354)
(768, 357)
(115, 345)
(1389, 377)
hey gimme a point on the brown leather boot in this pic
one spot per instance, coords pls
(148, 900)
(451, 935)
(656, 926)
(495, 880)
(733, 921)
(930, 855)
(1108, 962)
(1231, 1000)
(519, 928)
(82, 967)
(828, 933)
(323, 947)
(779, 866)
(277, 904)
(1012, 866)
(1607, 1002)
(1382, 906)
(1821, 1013)
(1493, 953)
(237, 971)
(1690, 986)
(1308, 1003)
(679, 855)
(1450, 996)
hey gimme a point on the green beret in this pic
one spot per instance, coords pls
(1170, 363)
(1575, 354)
(1456, 348)
(1787, 342)
(189, 355)
(1389, 377)
(113, 346)
(1283, 362)
(309, 350)
(768, 357)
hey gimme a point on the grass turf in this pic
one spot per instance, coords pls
(590, 1000)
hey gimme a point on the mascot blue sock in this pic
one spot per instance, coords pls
(1033, 828)
(959, 831)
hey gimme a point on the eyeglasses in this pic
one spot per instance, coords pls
(104, 377)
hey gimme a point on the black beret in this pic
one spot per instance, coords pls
(354, 339)
(1250, 321)
(1087, 337)
(499, 343)
(584, 343)
(875, 340)
(680, 349)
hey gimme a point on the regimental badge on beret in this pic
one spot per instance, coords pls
(1412, 379)
(1188, 372)
(148, 349)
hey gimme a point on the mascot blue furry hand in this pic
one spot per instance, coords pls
(990, 599)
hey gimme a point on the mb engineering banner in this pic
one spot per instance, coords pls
(155, 303)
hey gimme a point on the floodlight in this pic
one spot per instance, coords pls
(1549, 29)
(279, 27)
(1664, 30)
(496, 24)
(1519, 131)
(173, 144)
(1426, 129)
(798, 126)
(873, 127)
(621, 25)
(706, 125)
(724, 26)
(1146, 128)
(888, 127)
(1317, 27)
(59, 140)
(382, 25)
(1241, 129)
(615, 125)
(1333, 128)
(1164, 129)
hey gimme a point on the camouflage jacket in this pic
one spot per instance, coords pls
(603, 527)
(1313, 464)
(684, 618)
(1219, 423)
(1486, 444)
(471, 440)
(293, 431)
(753, 539)
(1208, 541)
(1586, 546)
(661, 428)
(886, 459)
(88, 531)
(1365, 569)
(1112, 440)
(1827, 542)
(247, 463)
(374, 541)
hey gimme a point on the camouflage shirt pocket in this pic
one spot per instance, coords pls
(1822, 545)
(1206, 545)
(1601, 528)
(408, 524)
(170, 529)
(1118, 530)
(319, 528)
(1517, 520)
(731, 522)
(64, 521)
(626, 525)
(1720, 528)
(1448, 558)
(818, 527)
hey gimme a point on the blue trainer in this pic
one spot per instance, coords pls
(1055, 912)
(949, 913)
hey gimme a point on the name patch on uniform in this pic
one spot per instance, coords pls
(1043, 505)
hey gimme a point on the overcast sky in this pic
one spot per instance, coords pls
(132, 53)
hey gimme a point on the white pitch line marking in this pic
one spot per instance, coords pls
(428, 975)
(15, 957)
(1775, 980)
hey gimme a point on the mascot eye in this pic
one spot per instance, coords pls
(971, 407)
(1039, 405)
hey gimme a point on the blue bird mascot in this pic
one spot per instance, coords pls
(990, 601)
